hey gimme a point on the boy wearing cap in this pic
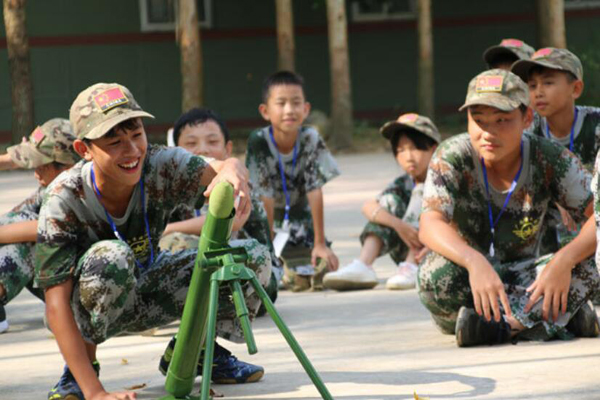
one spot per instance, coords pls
(49, 151)
(289, 164)
(394, 215)
(97, 257)
(485, 199)
(555, 80)
(505, 54)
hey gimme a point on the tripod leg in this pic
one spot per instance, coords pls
(241, 311)
(209, 351)
(289, 337)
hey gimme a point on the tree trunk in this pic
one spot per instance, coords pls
(425, 75)
(550, 18)
(285, 35)
(188, 36)
(20, 72)
(341, 96)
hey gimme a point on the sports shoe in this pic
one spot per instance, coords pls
(67, 387)
(3, 320)
(473, 330)
(585, 322)
(226, 367)
(354, 276)
(405, 278)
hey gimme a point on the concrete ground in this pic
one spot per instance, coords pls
(374, 344)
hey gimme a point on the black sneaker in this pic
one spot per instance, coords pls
(226, 367)
(67, 387)
(3, 320)
(473, 330)
(585, 322)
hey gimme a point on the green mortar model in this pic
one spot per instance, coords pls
(217, 263)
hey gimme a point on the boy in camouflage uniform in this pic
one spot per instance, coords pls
(485, 199)
(49, 151)
(97, 255)
(394, 215)
(289, 164)
(555, 80)
(505, 54)
(203, 133)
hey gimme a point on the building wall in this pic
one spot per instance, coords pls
(76, 44)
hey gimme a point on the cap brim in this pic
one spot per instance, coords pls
(522, 67)
(491, 53)
(107, 125)
(390, 127)
(500, 103)
(30, 157)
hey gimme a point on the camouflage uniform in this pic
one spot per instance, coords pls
(596, 191)
(395, 200)
(315, 166)
(53, 141)
(455, 187)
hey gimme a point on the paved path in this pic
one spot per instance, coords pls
(366, 345)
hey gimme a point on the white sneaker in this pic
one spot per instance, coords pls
(353, 276)
(3, 326)
(405, 278)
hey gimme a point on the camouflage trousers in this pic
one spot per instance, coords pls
(295, 259)
(16, 263)
(259, 260)
(444, 287)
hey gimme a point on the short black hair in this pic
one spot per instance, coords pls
(539, 69)
(280, 78)
(420, 140)
(197, 116)
(503, 58)
(130, 124)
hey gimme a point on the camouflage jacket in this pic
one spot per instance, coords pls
(315, 166)
(586, 135)
(402, 191)
(72, 218)
(551, 174)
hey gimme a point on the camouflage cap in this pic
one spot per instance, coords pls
(53, 141)
(516, 47)
(552, 58)
(101, 107)
(497, 88)
(411, 122)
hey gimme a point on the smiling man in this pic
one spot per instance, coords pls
(97, 256)
(486, 197)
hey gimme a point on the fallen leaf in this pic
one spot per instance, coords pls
(124, 361)
(135, 387)
(419, 398)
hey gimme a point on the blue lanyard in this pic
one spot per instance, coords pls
(510, 192)
(114, 227)
(286, 216)
(572, 130)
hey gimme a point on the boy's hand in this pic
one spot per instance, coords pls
(567, 220)
(240, 219)
(324, 252)
(553, 284)
(421, 254)
(409, 235)
(234, 172)
(487, 288)
(129, 395)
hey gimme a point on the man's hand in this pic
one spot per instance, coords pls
(487, 288)
(553, 284)
(129, 395)
(324, 252)
(240, 219)
(234, 172)
(409, 235)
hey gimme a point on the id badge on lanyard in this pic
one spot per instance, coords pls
(282, 235)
